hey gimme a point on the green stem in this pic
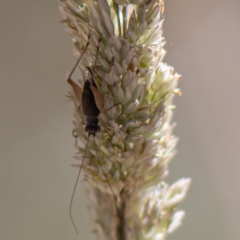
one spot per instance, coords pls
(116, 9)
(121, 233)
(125, 20)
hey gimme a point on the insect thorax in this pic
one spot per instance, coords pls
(92, 125)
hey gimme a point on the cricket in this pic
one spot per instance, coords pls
(92, 103)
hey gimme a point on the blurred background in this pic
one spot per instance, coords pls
(36, 146)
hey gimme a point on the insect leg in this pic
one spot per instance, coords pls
(99, 100)
(98, 46)
(84, 50)
(105, 110)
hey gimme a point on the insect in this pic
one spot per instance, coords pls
(92, 104)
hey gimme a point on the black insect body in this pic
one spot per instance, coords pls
(92, 103)
(90, 109)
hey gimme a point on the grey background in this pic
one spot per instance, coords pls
(36, 145)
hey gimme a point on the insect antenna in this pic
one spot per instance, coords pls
(75, 135)
(75, 186)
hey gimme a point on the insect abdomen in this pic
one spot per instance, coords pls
(90, 110)
(88, 102)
